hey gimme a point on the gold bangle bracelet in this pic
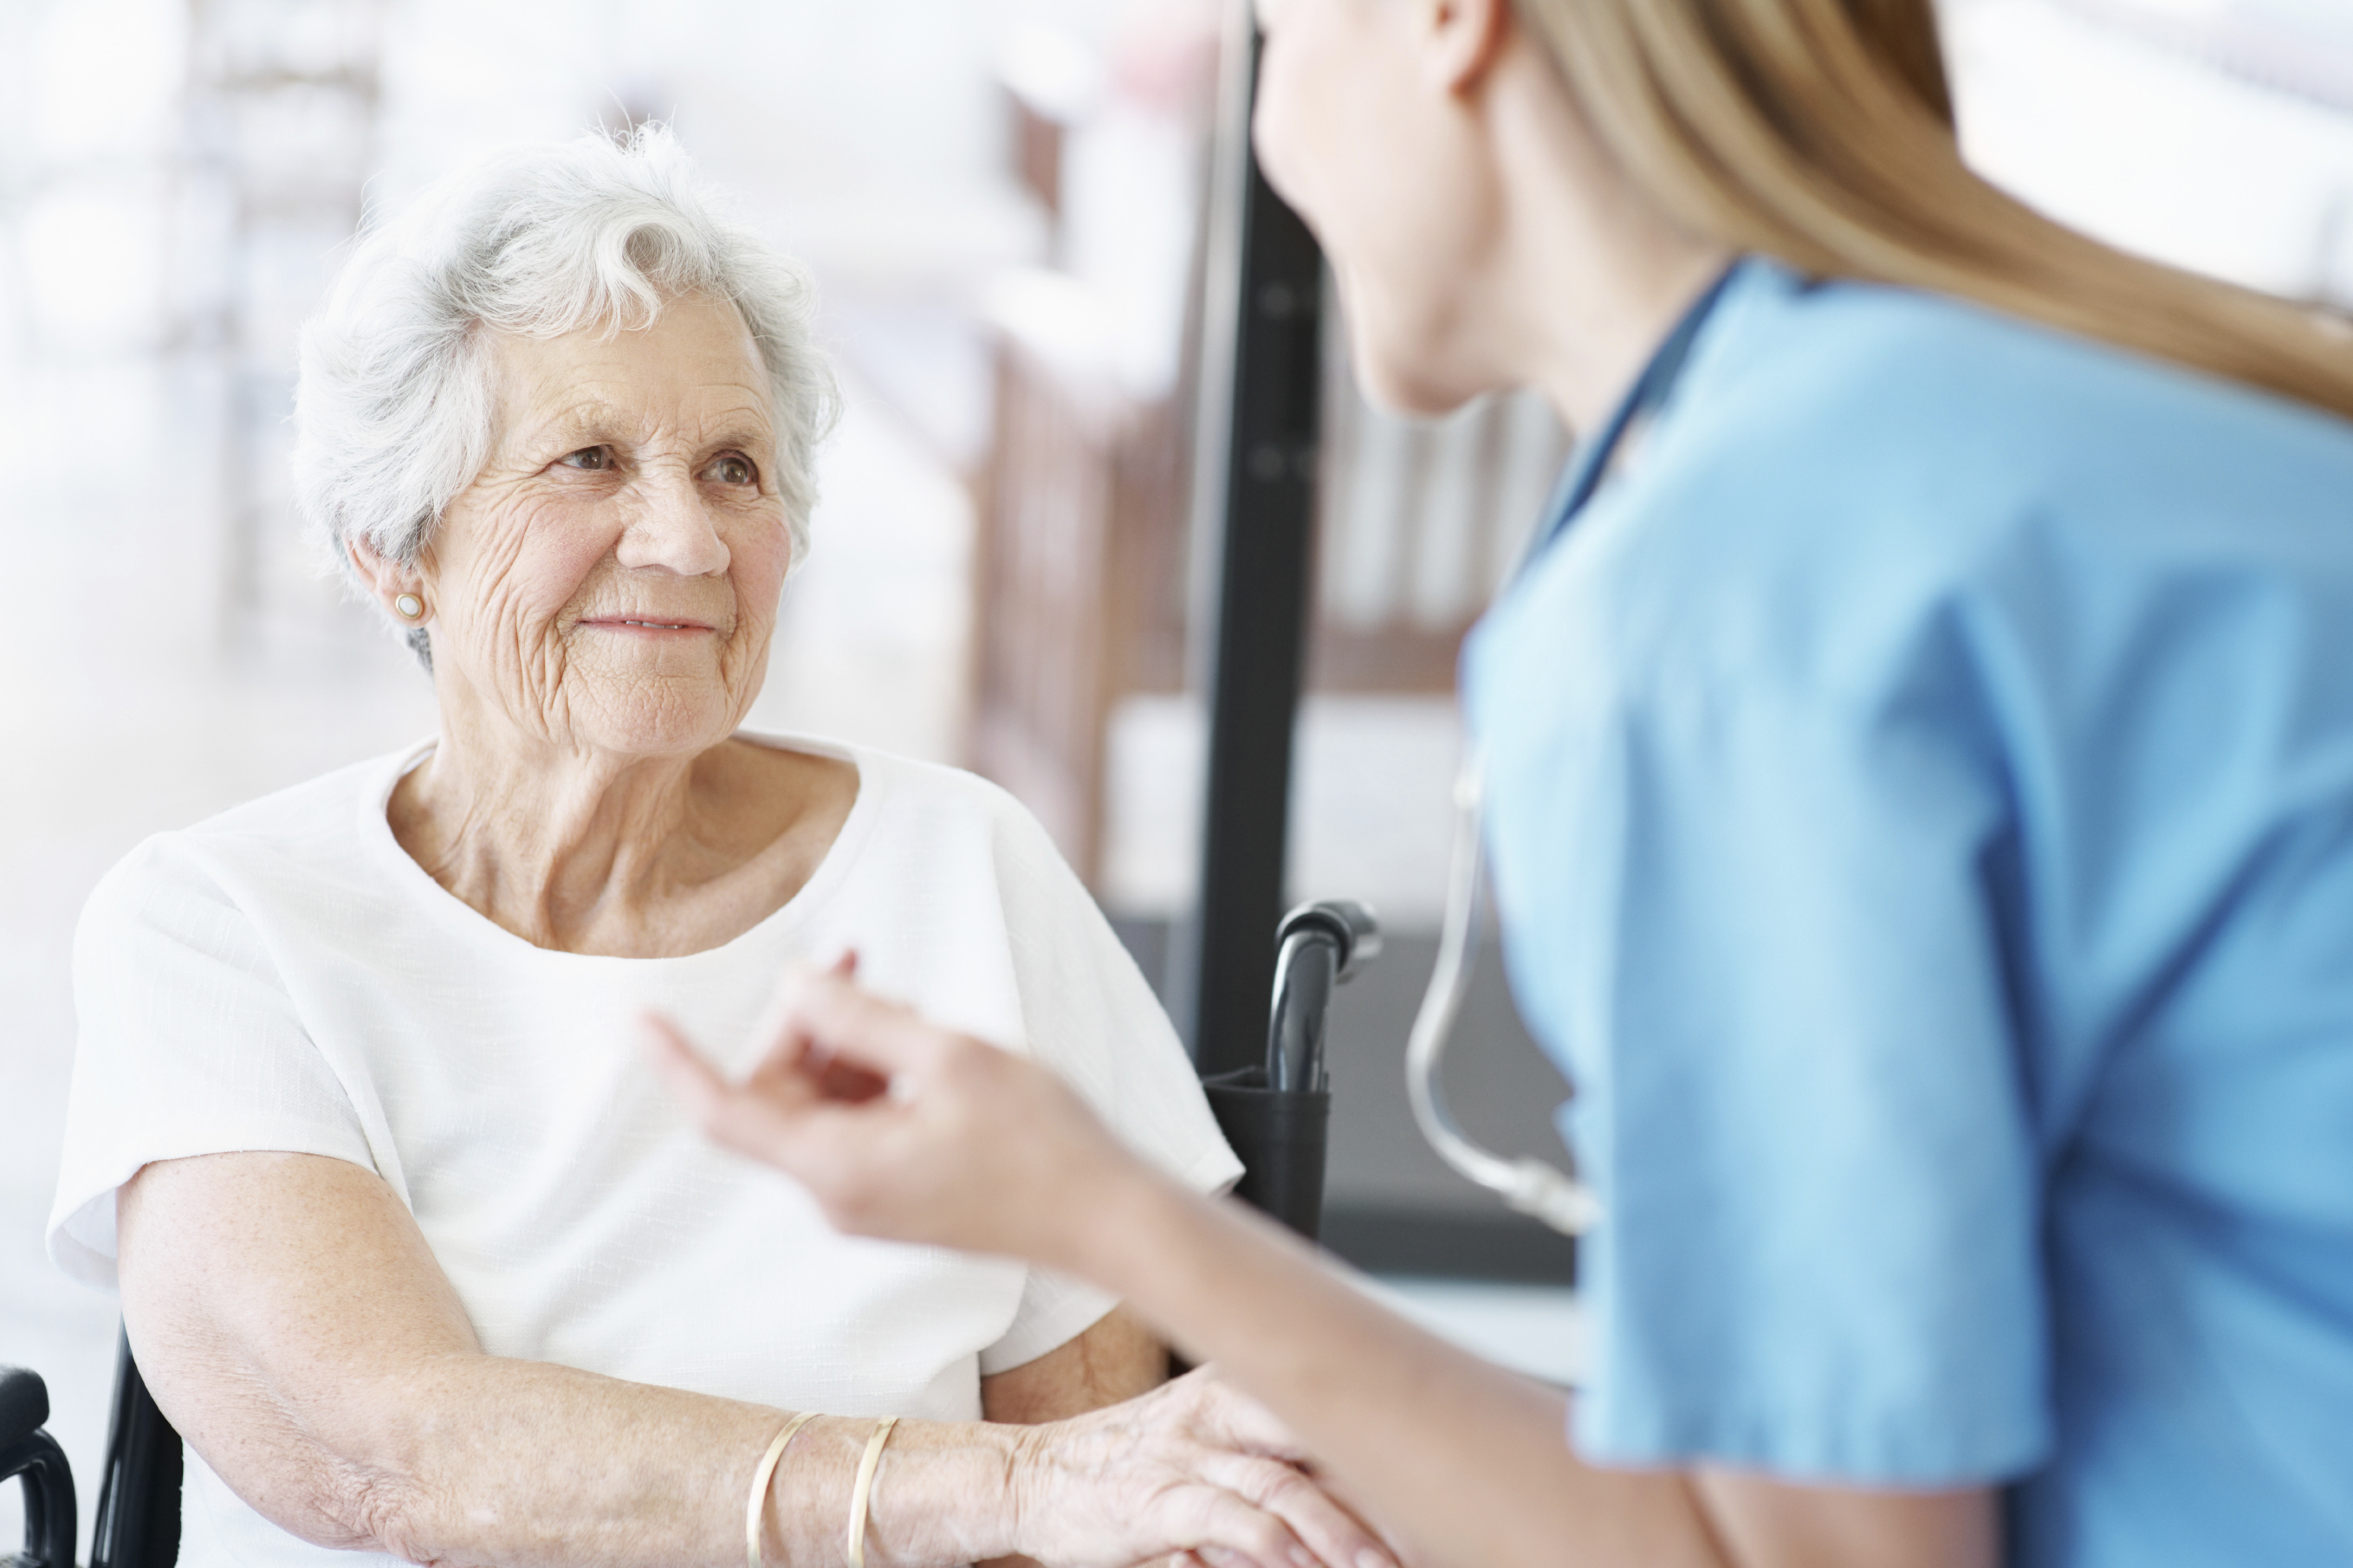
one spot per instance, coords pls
(758, 1509)
(860, 1494)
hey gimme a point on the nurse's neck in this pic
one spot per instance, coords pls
(1588, 274)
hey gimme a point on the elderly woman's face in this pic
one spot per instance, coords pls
(609, 580)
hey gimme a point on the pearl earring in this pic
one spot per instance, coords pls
(409, 605)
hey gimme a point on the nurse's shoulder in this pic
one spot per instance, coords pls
(1895, 398)
(1847, 468)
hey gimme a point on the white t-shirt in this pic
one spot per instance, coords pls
(285, 977)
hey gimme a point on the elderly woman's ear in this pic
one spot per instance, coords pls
(401, 590)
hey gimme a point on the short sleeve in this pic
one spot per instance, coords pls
(187, 1042)
(1756, 917)
(1055, 1309)
(1092, 1016)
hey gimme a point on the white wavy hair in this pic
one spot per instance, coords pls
(393, 407)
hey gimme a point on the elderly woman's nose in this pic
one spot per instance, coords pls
(674, 527)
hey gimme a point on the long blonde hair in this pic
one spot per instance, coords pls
(1822, 132)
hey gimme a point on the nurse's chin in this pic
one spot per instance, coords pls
(1417, 391)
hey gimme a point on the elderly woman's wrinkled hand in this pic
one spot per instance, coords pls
(904, 1130)
(1193, 1461)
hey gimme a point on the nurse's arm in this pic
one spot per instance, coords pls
(903, 1130)
(1459, 1460)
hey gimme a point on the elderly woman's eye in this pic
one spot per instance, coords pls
(735, 468)
(593, 459)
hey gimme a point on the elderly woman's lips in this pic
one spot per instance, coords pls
(648, 624)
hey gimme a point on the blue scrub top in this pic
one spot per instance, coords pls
(1920, 791)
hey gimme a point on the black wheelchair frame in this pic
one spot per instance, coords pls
(138, 1521)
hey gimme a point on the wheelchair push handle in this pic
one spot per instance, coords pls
(1318, 946)
(30, 1453)
(1277, 1116)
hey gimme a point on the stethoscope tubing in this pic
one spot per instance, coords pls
(1527, 1185)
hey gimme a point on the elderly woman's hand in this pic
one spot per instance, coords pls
(1191, 1461)
(905, 1131)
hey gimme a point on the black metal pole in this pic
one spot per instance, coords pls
(138, 1523)
(1259, 620)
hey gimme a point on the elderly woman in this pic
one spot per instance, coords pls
(412, 1248)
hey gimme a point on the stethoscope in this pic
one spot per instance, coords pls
(1527, 1184)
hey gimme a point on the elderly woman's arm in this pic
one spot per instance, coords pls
(296, 1329)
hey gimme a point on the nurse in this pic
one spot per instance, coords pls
(1919, 763)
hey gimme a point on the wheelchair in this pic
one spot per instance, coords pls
(1275, 1116)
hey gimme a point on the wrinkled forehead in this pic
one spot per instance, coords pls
(693, 371)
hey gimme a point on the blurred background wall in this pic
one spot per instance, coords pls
(1002, 200)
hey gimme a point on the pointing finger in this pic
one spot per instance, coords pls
(846, 1020)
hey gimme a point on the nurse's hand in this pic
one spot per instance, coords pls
(907, 1131)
